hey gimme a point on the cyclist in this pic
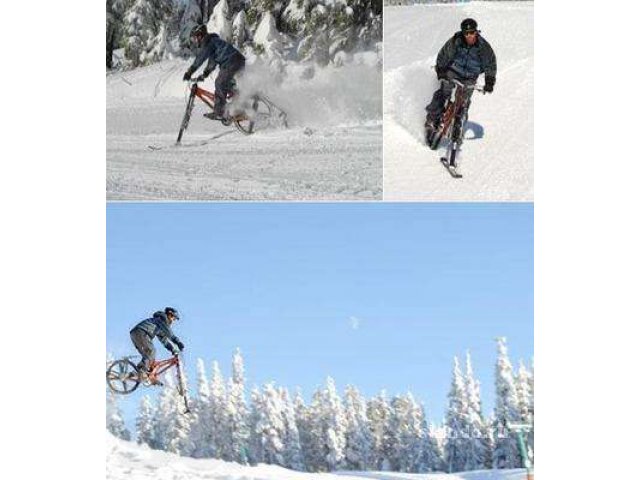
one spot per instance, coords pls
(464, 57)
(159, 325)
(217, 52)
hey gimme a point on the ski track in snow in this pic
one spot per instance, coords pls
(333, 150)
(498, 164)
(129, 461)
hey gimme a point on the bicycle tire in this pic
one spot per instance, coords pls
(187, 115)
(123, 372)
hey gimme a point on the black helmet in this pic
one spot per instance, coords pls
(172, 311)
(199, 30)
(469, 25)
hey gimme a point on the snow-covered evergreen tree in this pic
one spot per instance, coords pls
(220, 21)
(146, 36)
(234, 446)
(379, 415)
(524, 394)
(172, 427)
(293, 458)
(144, 423)
(336, 426)
(456, 422)
(358, 437)
(505, 454)
(303, 423)
(201, 437)
(115, 422)
(432, 450)
(217, 414)
(405, 427)
(477, 446)
(266, 39)
(239, 29)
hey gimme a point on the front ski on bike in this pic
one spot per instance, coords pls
(452, 169)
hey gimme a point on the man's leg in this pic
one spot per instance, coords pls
(144, 345)
(223, 81)
(436, 107)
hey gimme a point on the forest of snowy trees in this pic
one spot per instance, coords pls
(334, 432)
(319, 31)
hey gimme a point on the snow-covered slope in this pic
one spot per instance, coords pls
(129, 461)
(332, 150)
(498, 163)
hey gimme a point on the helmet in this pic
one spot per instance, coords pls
(172, 311)
(199, 30)
(469, 25)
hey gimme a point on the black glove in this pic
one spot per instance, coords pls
(441, 73)
(489, 82)
(180, 345)
(200, 78)
(187, 75)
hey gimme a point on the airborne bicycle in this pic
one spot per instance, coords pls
(255, 111)
(123, 376)
(453, 123)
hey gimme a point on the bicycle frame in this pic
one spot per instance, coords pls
(461, 96)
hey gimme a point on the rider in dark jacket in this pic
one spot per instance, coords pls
(159, 325)
(464, 57)
(217, 52)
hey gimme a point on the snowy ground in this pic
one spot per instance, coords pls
(332, 150)
(129, 461)
(498, 163)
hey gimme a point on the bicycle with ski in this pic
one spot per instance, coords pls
(247, 114)
(124, 376)
(452, 125)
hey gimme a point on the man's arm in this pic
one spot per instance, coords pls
(203, 54)
(167, 338)
(445, 57)
(490, 66)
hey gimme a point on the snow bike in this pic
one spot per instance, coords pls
(453, 123)
(244, 114)
(123, 376)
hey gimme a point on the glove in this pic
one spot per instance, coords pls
(187, 75)
(200, 78)
(180, 345)
(441, 73)
(489, 82)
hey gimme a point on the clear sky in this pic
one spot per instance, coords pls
(378, 295)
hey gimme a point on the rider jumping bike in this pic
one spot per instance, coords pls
(142, 336)
(216, 52)
(460, 62)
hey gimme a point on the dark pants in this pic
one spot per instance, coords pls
(224, 79)
(144, 345)
(436, 108)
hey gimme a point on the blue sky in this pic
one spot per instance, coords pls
(378, 295)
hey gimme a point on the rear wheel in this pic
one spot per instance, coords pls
(122, 376)
(257, 114)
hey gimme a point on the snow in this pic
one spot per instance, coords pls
(332, 150)
(498, 164)
(127, 460)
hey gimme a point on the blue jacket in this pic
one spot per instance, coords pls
(467, 61)
(216, 50)
(158, 326)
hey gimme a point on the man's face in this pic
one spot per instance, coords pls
(197, 39)
(170, 317)
(471, 37)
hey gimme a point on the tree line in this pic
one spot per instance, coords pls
(338, 432)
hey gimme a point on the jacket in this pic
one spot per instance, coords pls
(216, 51)
(468, 61)
(158, 326)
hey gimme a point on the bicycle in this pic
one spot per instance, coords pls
(452, 125)
(123, 376)
(243, 114)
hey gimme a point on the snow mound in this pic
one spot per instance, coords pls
(129, 461)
